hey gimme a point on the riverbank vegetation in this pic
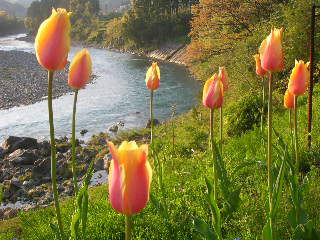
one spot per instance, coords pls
(9, 24)
(187, 160)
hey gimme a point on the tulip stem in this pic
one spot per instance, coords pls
(53, 155)
(291, 132)
(213, 154)
(295, 129)
(221, 129)
(269, 162)
(129, 225)
(263, 104)
(151, 118)
(74, 169)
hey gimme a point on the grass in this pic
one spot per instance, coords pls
(186, 163)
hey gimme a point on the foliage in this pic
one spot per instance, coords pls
(9, 24)
(148, 24)
(243, 115)
(231, 41)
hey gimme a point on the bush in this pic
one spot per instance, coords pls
(244, 114)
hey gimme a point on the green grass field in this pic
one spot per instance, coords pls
(186, 164)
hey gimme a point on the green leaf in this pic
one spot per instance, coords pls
(84, 215)
(266, 232)
(277, 190)
(204, 229)
(162, 209)
(307, 232)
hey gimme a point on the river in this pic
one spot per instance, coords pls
(117, 94)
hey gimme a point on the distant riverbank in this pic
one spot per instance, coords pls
(23, 81)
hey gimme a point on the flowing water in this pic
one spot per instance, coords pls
(117, 94)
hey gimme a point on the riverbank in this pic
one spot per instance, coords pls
(182, 147)
(23, 81)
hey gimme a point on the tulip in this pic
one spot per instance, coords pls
(288, 100)
(223, 75)
(130, 177)
(153, 77)
(153, 83)
(299, 78)
(259, 70)
(52, 43)
(272, 60)
(80, 70)
(271, 52)
(213, 92)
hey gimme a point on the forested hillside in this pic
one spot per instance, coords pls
(229, 33)
(14, 9)
(9, 24)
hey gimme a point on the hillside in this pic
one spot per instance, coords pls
(15, 9)
(25, 3)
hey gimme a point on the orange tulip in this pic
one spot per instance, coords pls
(153, 77)
(223, 75)
(288, 100)
(259, 70)
(52, 42)
(80, 70)
(130, 177)
(299, 78)
(271, 52)
(213, 92)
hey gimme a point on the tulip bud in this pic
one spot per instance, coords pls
(271, 52)
(223, 75)
(299, 78)
(130, 177)
(80, 70)
(153, 77)
(259, 70)
(52, 43)
(213, 92)
(288, 100)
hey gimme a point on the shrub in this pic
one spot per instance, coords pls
(244, 114)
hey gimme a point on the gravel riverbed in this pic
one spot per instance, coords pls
(23, 81)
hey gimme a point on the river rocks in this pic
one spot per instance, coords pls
(23, 157)
(41, 167)
(22, 69)
(155, 122)
(13, 143)
(114, 128)
(45, 148)
(83, 132)
(25, 168)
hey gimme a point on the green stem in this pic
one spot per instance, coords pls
(296, 134)
(73, 150)
(221, 129)
(213, 153)
(53, 155)
(129, 226)
(269, 162)
(263, 103)
(151, 117)
(291, 132)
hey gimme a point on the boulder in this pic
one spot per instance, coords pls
(23, 157)
(155, 123)
(13, 143)
(83, 131)
(41, 167)
(45, 148)
(114, 128)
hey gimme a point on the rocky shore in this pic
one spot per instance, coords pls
(23, 81)
(25, 170)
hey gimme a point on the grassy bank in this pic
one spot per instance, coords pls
(186, 163)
